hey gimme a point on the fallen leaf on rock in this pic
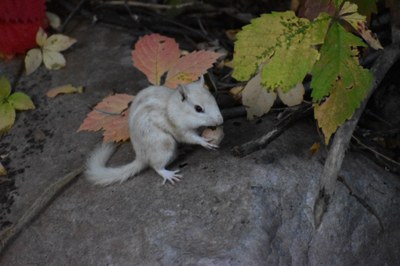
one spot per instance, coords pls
(156, 55)
(65, 89)
(7, 113)
(190, 67)
(117, 130)
(49, 51)
(9, 103)
(54, 20)
(111, 116)
(20, 101)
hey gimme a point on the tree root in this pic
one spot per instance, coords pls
(343, 136)
(38, 206)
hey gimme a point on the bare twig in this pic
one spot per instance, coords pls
(149, 5)
(262, 142)
(72, 14)
(343, 135)
(375, 151)
(39, 205)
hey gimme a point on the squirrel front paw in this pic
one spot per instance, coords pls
(206, 143)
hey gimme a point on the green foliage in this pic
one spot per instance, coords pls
(339, 75)
(9, 103)
(284, 49)
(274, 42)
(338, 61)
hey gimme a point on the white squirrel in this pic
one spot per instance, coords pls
(159, 118)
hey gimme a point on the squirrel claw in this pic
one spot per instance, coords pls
(209, 145)
(170, 176)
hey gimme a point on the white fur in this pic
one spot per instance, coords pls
(99, 174)
(159, 118)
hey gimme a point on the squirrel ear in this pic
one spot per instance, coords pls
(181, 88)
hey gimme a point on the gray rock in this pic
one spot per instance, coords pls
(255, 210)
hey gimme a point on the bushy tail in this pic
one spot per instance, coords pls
(98, 173)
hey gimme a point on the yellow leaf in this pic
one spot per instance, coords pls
(33, 59)
(359, 23)
(65, 89)
(348, 8)
(293, 96)
(58, 43)
(54, 20)
(41, 37)
(53, 60)
(256, 98)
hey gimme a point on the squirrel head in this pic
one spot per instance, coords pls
(193, 106)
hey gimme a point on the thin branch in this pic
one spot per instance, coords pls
(375, 151)
(263, 141)
(72, 14)
(343, 135)
(150, 5)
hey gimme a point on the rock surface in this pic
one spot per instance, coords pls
(255, 210)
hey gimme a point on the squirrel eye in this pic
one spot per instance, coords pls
(198, 109)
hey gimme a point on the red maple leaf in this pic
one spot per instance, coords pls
(156, 55)
(111, 115)
(19, 23)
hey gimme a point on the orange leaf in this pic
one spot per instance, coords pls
(118, 129)
(111, 115)
(314, 149)
(154, 54)
(189, 67)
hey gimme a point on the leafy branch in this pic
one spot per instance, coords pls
(283, 49)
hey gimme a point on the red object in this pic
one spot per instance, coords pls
(19, 23)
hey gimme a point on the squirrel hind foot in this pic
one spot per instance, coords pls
(170, 176)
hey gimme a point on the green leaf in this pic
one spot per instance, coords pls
(274, 42)
(7, 115)
(20, 101)
(339, 60)
(338, 75)
(5, 88)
